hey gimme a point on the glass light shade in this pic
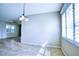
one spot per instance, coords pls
(26, 19)
(21, 18)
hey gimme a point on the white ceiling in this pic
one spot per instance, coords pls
(12, 11)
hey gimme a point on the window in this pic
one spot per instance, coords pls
(7, 28)
(69, 16)
(77, 22)
(70, 23)
(10, 28)
(63, 26)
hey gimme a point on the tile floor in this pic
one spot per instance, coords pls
(13, 48)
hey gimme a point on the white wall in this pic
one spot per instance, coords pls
(3, 33)
(2, 30)
(42, 29)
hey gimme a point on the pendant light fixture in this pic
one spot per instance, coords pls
(23, 15)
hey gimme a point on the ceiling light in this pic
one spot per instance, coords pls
(23, 15)
(21, 18)
(26, 19)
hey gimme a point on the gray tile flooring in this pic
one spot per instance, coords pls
(13, 48)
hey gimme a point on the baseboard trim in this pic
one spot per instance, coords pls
(8, 37)
(64, 52)
(53, 46)
(50, 46)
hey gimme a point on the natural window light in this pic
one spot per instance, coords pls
(10, 28)
(77, 22)
(69, 15)
(70, 23)
(63, 26)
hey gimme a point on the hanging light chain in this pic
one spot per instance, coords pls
(24, 9)
(23, 16)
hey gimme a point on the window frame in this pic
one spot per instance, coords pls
(11, 30)
(63, 10)
(67, 24)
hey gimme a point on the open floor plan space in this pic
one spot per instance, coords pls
(39, 29)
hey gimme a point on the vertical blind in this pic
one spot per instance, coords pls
(77, 22)
(70, 23)
(63, 26)
(69, 16)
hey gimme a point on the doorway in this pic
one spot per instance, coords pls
(19, 32)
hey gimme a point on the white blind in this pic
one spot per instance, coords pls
(63, 25)
(69, 15)
(77, 22)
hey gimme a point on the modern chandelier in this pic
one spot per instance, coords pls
(23, 17)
